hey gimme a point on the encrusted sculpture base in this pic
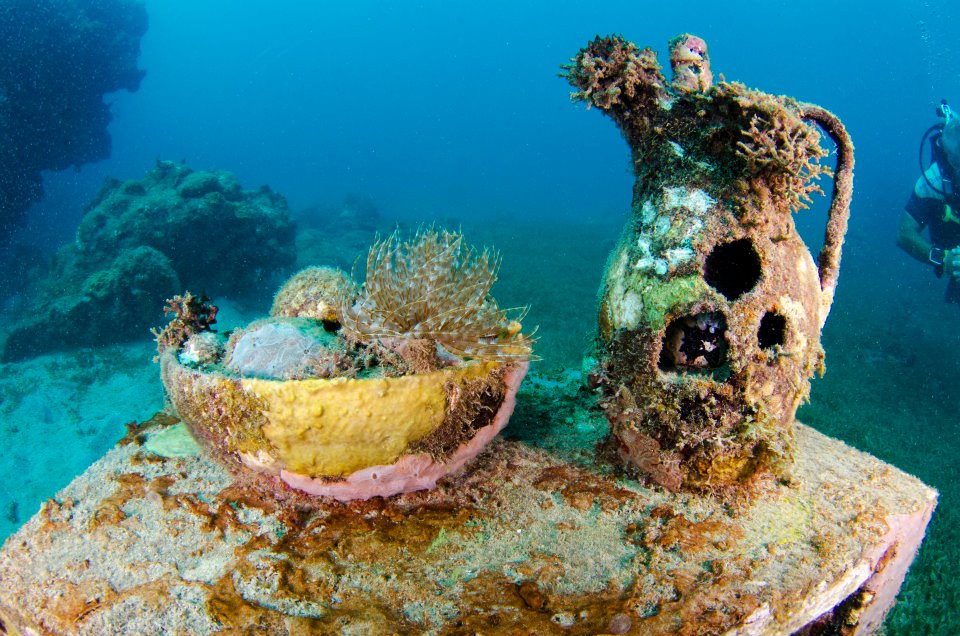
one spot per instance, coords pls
(522, 543)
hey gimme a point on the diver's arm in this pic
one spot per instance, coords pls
(911, 240)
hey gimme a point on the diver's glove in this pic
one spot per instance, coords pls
(951, 264)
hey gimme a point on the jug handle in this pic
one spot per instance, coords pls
(828, 263)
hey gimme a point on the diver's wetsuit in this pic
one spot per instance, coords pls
(928, 208)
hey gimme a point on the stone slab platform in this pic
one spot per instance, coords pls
(524, 543)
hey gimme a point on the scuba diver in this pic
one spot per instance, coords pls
(935, 204)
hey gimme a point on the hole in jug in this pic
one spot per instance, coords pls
(733, 268)
(695, 343)
(772, 331)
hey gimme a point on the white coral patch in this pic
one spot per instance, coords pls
(616, 274)
(647, 262)
(626, 306)
(804, 265)
(201, 348)
(692, 199)
(662, 226)
(796, 315)
(677, 148)
(679, 256)
(643, 244)
(648, 213)
(627, 310)
(262, 462)
(695, 226)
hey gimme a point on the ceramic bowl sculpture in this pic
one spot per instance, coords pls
(415, 374)
(343, 437)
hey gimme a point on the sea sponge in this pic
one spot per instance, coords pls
(286, 349)
(313, 292)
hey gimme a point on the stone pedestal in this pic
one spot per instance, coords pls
(524, 543)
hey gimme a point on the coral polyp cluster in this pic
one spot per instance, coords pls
(191, 315)
(784, 151)
(611, 73)
(724, 133)
(433, 289)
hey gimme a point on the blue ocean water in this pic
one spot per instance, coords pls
(436, 106)
(439, 110)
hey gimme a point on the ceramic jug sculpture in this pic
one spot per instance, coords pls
(711, 306)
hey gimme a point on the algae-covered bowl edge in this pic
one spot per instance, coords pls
(347, 438)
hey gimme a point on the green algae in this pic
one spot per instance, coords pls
(663, 298)
(172, 441)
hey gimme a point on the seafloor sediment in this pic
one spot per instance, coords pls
(529, 540)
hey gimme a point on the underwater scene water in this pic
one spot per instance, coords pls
(364, 117)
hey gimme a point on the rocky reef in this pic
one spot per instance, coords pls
(141, 241)
(332, 234)
(711, 306)
(219, 237)
(58, 58)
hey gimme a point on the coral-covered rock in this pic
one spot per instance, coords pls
(527, 540)
(191, 229)
(220, 238)
(118, 302)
